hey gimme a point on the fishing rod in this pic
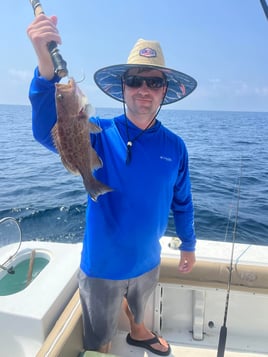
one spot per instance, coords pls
(60, 66)
(265, 7)
(223, 331)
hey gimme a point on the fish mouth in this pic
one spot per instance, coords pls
(84, 110)
(84, 106)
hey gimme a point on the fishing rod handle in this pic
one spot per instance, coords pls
(60, 66)
(222, 341)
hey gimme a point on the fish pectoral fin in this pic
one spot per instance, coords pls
(93, 128)
(95, 160)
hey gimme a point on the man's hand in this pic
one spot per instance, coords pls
(42, 31)
(186, 262)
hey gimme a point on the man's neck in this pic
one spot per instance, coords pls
(142, 121)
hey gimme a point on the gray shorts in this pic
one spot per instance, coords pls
(101, 303)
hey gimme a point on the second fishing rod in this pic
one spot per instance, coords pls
(223, 330)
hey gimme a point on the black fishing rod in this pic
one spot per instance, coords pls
(223, 331)
(60, 66)
(265, 7)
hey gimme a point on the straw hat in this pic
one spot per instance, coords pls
(147, 54)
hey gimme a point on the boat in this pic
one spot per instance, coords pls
(43, 318)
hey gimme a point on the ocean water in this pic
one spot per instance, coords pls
(225, 148)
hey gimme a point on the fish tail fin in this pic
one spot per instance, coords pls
(95, 188)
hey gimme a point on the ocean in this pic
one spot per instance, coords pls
(228, 157)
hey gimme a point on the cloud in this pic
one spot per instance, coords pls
(20, 75)
(214, 80)
(16, 83)
(262, 91)
(247, 89)
(216, 87)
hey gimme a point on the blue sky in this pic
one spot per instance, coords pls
(222, 44)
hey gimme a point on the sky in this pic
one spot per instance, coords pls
(223, 44)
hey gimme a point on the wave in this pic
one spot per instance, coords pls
(49, 202)
(62, 223)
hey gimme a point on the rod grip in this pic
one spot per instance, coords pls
(60, 66)
(222, 342)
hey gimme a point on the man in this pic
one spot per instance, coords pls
(147, 167)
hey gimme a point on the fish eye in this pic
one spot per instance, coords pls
(59, 96)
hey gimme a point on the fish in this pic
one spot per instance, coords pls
(71, 136)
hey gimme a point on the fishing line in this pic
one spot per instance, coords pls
(223, 331)
(82, 79)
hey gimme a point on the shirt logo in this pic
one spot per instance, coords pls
(166, 158)
(147, 52)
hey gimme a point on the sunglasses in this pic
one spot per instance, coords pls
(151, 82)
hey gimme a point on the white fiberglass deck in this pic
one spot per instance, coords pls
(122, 349)
(26, 317)
(188, 310)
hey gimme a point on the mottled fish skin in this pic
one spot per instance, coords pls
(72, 139)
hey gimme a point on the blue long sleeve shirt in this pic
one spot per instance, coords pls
(124, 226)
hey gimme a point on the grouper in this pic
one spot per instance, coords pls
(71, 135)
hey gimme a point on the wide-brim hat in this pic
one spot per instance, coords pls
(145, 54)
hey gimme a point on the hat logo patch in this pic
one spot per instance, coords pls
(147, 52)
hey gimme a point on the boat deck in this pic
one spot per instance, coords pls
(121, 349)
(187, 310)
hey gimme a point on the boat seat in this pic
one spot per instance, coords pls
(245, 277)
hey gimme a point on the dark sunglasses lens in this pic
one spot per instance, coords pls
(133, 81)
(151, 82)
(155, 82)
